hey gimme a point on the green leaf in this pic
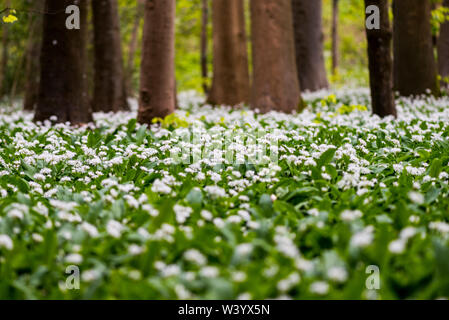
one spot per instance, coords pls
(326, 157)
(432, 194)
(435, 168)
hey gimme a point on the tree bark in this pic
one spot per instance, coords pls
(4, 54)
(33, 57)
(307, 20)
(275, 78)
(380, 62)
(443, 50)
(204, 44)
(63, 77)
(230, 84)
(415, 69)
(133, 47)
(335, 38)
(109, 81)
(157, 84)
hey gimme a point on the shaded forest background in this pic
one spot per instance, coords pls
(352, 70)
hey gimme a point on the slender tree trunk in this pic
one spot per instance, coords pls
(33, 57)
(335, 38)
(307, 20)
(204, 44)
(415, 69)
(4, 54)
(443, 50)
(157, 83)
(133, 47)
(380, 62)
(230, 84)
(109, 89)
(63, 80)
(275, 78)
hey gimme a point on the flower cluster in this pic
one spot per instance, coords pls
(345, 190)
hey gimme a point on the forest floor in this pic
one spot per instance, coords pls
(316, 205)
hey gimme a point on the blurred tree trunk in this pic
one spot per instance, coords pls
(4, 53)
(133, 47)
(275, 78)
(230, 83)
(157, 83)
(33, 57)
(414, 61)
(204, 44)
(335, 38)
(443, 50)
(63, 76)
(307, 20)
(380, 62)
(109, 81)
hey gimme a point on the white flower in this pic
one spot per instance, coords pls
(135, 250)
(206, 215)
(319, 287)
(6, 242)
(195, 256)
(114, 228)
(182, 213)
(160, 187)
(90, 229)
(416, 197)
(313, 212)
(397, 246)
(337, 274)
(90, 275)
(363, 238)
(215, 192)
(209, 272)
(439, 226)
(74, 258)
(350, 215)
(244, 249)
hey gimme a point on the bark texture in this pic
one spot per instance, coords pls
(230, 83)
(204, 44)
(275, 78)
(133, 47)
(63, 79)
(33, 57)
(308, 28)
(443, 50)
(380, 63)
(335, 38)
(414, 61)
(157, 83)
(109, 81)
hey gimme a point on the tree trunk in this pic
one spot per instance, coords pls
(414, 61)
(307, 21)
(63, 80)
(109, 82)
(335, 38)
(33, 57)
(133, 47)
(275, 78)
(443, 50)
(157, 83)
(204, 44)
(380, 62)
(4, 54)
(230, 84)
